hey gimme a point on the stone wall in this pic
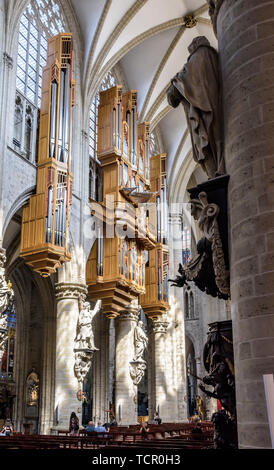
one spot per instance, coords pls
(245, 32)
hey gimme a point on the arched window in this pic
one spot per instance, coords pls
(186, 304)
(186, 254)
(191, 305)
(41, 20)
(108, 82)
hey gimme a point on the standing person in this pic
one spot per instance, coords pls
(8, 428)
(73, 425)
(100, 428)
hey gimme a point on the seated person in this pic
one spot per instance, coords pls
(144, 430)
(90, 427)
(8, 428)
(156, 419)
(197, 429)
(100, 428)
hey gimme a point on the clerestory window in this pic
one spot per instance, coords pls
(41, 20)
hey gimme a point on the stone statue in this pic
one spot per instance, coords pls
(140, 340)
(6, 292)
(84, 347)
(196, 86)
(85, 338)
(138, 364)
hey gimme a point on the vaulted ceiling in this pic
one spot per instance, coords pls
(148, 39)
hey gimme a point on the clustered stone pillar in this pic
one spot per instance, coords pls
(159, 393)
(246, 48)
(125, 390)
(66, 384)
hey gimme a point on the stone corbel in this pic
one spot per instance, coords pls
(137, 370)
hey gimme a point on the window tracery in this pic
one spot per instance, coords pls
(41, 20)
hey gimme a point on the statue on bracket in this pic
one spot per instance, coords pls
(6, 295)
(197, 87)
(85, 338)
(218, 361)
(6, 292)
(138, 364)
(84, 346)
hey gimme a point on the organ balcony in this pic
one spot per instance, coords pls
(44, 239)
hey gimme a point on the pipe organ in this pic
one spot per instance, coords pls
(155, 299)
(116, 266)
(45, 238)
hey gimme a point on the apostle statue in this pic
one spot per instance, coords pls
(6, 292)
(140, 341)
(84, 337)
(197, 87)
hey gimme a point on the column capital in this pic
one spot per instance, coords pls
(64, 290)
(131, 312)
(160, 326)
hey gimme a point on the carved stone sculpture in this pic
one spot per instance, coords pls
(140, 340)
(85, 338)
(6, 295)
(6, 292)
(196, 86)
(208, 268)
(138, 364)
(84, 347)
(219, 363)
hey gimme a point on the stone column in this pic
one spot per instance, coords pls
(66, 384)
(246, 48)
(125, 390)
(159, 393)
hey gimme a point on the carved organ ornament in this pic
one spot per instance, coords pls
(116, 269)
(44, 239)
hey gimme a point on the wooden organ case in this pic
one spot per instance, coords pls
(155, 299)
(116, 266)
(44, 239)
